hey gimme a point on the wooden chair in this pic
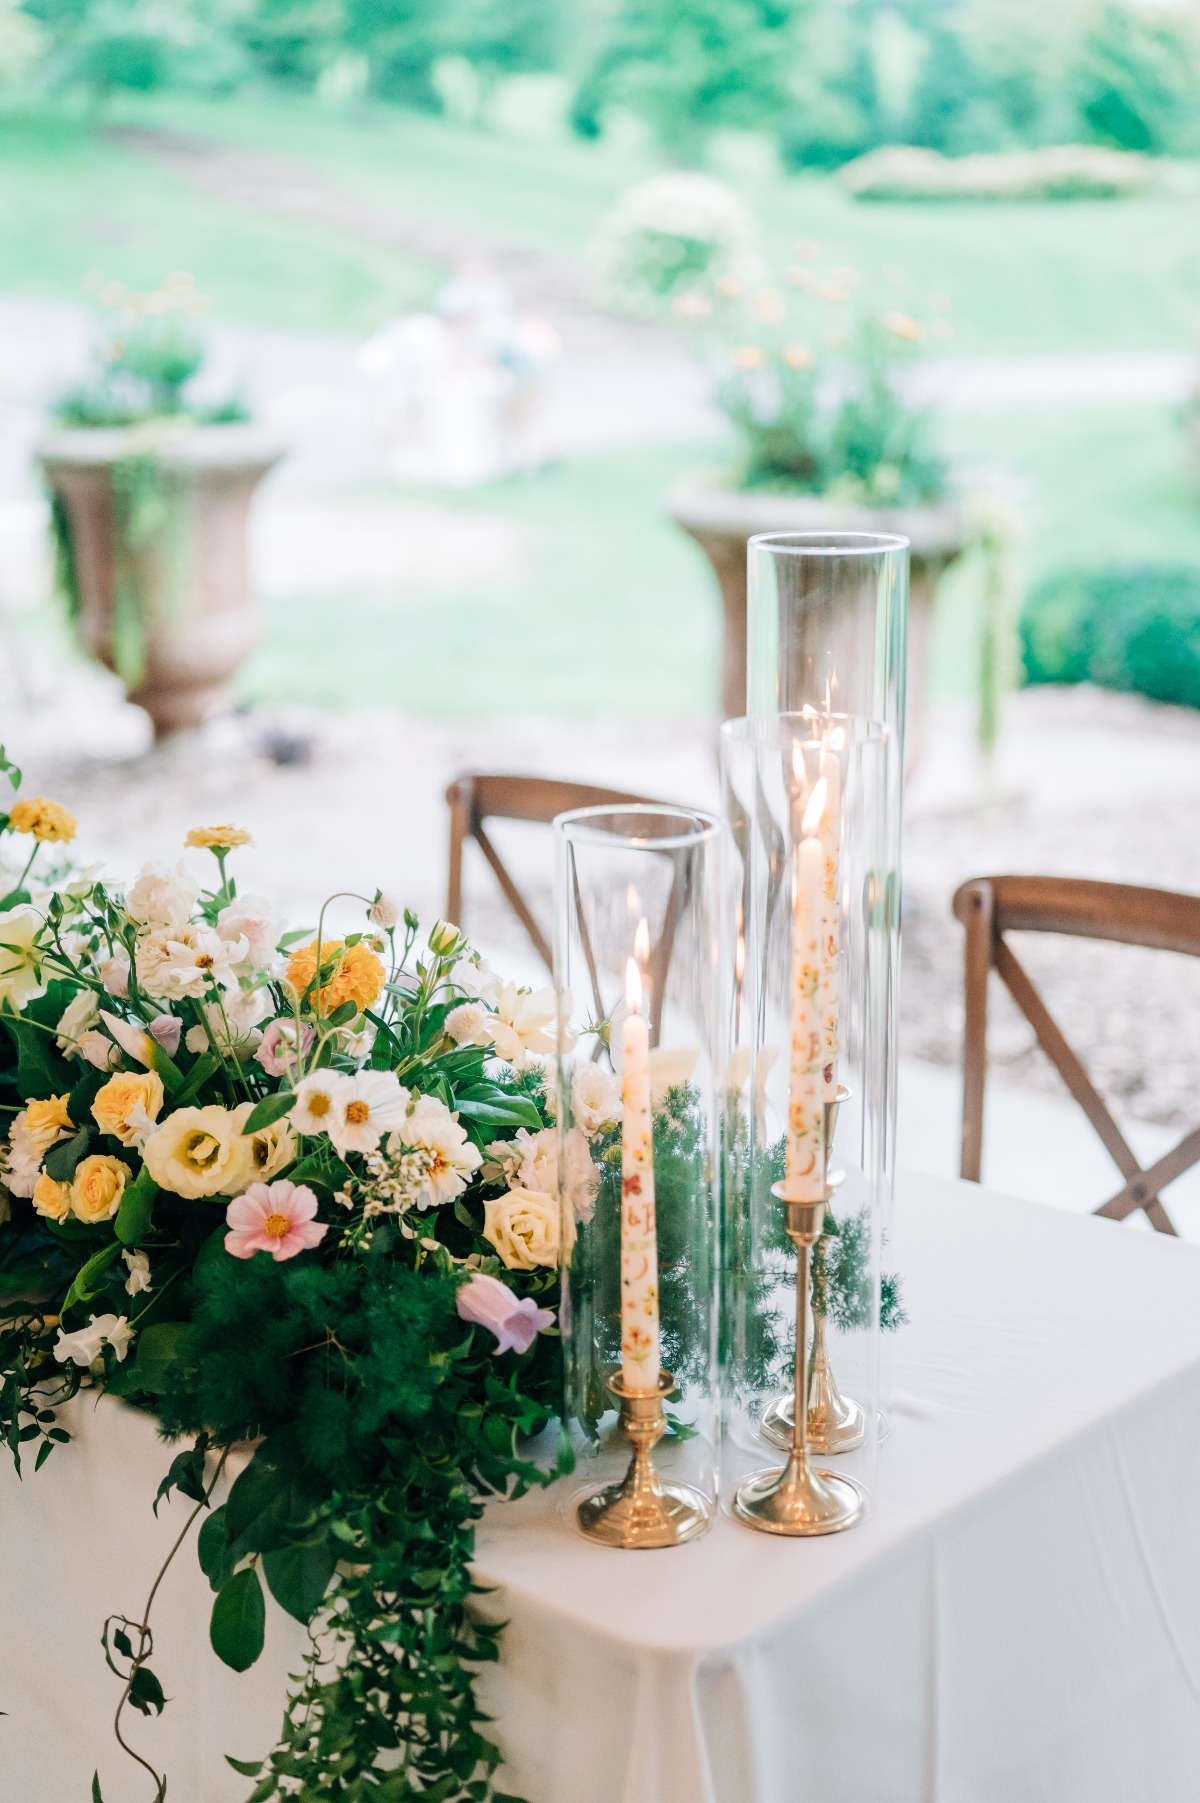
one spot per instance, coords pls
(990, 907)
(474, 799)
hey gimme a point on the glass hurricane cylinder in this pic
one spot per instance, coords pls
(834, 1095)
(636, 968)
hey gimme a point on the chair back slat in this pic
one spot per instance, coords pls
(990, 907)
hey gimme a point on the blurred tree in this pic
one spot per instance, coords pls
(293, 41)
(141, 44)
(1137, 81)
(689, 67)
(506, 37)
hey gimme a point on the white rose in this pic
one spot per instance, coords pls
(595, 1097)
(162, 897)
(187, 961)
(533, 1165)
(524, 1227)
(78, 1017)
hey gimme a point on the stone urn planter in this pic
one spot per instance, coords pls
(722, 520)
(152, 521)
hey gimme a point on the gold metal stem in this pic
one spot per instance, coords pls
(641, 1511)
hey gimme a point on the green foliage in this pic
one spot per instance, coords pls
(1135, 628)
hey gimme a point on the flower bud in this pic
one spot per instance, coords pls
(445, 939)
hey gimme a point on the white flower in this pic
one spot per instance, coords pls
(317, 1100)
(162, 898)
(83, 1347)
(357, 1038)
(369, 1104)
(35, 1129)
(470, 1024)
(383, 912)
(139, 1278)
(476, 978)
(595, 1097)
(432, 1128)
(114, 974)
(532, 1164)
(80, 1014)
(187, 961)
(20, 960)
(99, 1050)
(233, 1022)
(670, 1068)
(252, 919)
(526, 1021)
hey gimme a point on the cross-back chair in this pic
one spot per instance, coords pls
(991, 907)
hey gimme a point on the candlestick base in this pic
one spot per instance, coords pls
(799, 1501)
(641, 1511)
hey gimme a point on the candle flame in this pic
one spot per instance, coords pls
(815, 808)
(633, 986)
(739, 957)
(641, 942)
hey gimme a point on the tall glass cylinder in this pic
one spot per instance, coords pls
(636, 967)
(806, 1093)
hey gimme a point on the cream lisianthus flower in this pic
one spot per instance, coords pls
(272, 1149)
(317, 1099)
(200, 1151)
(369, 1104)
(187, 961)
(99, 1050)
(431, 1128)
(595, 1097)
(162, 898)
(20, 957)
(524, 1226)
(97, 1187)
(51, 1199)
(525, 1021)
(250, 919)
(128, 1105)
(78, 1017)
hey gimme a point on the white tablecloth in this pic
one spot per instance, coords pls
(1017, 1622)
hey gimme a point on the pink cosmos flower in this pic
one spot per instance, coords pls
(277, 1053)
(279, 1218)
(516, 1322)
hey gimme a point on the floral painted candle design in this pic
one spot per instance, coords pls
(805, 1146)
(830, 834)
(640, 1351)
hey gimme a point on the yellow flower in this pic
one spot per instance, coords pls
(44, 819)
(52, 1199)
(272, 1149)
(901, 326)
(358, 978)
(98, 1187)
(45, 1118)
(217, 838)
(127, 1103)
(524, 1226)
(797, 356)
(200, 1151)
(750, 356)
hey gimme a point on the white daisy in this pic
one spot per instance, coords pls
(454, 1160)
(369, 1104)
(318, 1098)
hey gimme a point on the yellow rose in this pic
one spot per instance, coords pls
(200, 1152)
(123, 1097)
(358, 976)
(523, 1225)
(52, 1199)
(98, 1187)
(44, 819)
(45, 1119)
(217, 838)
(272, 1149)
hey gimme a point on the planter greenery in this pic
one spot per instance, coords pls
(149, 494)
(1135, 628)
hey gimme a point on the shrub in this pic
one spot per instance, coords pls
(1135, 629)
(1057, 172)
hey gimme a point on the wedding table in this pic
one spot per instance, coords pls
(1018, 1620)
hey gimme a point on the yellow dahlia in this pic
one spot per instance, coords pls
(358, 976)
(217, 838)
(44, 819)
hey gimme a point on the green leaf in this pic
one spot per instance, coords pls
(96, 1797)
(85, 1286)
(137, 1207)
(186, 1473)
(158, 1366)
(40, 1071)
(343, 1015)
(60, 1160)
(323, 1168)
(266, 1508)
(271, 1108)
(84, 1093)
(298, 1575)
(249, 1768)
(239, 1620)
(218, 1560)
(206, 1066)
(145, 1692)
(172, 1077)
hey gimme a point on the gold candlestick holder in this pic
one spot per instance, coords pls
(642, 1511)
(836, 1423)
(800, 1500)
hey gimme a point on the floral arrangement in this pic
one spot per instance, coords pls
(809, 372)
(296, 1196)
